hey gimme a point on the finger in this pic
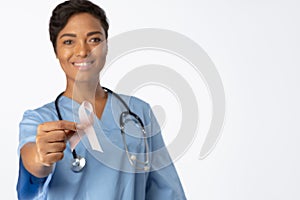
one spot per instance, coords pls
(86, 124)
(57, 147)
(80, 126)
(52, 158)
(53, 136)
(57, 125)
(46, 148)
(69, 134)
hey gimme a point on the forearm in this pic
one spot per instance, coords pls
(32, 163)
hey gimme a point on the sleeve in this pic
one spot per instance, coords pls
(29, 186)
(28, 127)
(163, 181)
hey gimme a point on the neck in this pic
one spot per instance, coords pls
(85, 91)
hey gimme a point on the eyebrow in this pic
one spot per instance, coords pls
(67, 35)
(94, 32)
(74, 35)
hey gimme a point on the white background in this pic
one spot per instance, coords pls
(255, 46)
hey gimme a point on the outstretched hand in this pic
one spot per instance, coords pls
(51, 140)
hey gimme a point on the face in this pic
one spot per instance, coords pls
(81, 48)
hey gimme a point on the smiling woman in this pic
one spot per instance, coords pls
(78, 31)
(81, 45)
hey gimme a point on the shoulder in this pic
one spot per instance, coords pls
(135, 103)
(30, 121)
(41, 114)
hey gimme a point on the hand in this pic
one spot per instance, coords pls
(51, 140)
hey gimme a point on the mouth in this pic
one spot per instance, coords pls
(84, 65)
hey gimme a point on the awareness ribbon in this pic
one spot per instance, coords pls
(86, 121)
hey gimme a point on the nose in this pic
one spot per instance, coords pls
(82, 50)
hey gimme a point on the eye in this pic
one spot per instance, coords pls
(68, 42)
(95, 40)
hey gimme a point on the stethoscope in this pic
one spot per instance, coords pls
(79, 162)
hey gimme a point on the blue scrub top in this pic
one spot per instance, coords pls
(101, 178)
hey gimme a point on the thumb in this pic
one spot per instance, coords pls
(69, 133)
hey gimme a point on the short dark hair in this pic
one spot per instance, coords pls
(62, 13)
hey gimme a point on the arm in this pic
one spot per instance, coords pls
(38, 158)
(163, 181)
(29, 185)
(31, 162)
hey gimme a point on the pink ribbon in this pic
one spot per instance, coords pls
(86, 127)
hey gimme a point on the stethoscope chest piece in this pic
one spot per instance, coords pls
(78, 164)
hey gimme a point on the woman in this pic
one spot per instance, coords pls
(48, 135)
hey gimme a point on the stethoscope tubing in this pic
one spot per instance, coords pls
(79, 162)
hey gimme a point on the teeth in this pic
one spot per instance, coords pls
(82, 64)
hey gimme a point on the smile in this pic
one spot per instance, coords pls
(83, 65)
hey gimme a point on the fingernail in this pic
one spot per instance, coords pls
(79, 126)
